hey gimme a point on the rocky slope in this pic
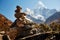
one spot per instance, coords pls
(4, 23)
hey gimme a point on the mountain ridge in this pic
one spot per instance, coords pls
(53, 17)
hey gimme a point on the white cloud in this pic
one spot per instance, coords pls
(27, 9)
(29, 12)
(39, 17)
(41, 4)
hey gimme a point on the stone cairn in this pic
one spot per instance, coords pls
(19, 28)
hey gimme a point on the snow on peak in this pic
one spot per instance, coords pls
(29, 11)
(32, 15)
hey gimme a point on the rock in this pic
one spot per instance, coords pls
(18, 9)
(4, 23)
(18, 13)
(19, 28)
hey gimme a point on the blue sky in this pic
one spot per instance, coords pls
(7, 7)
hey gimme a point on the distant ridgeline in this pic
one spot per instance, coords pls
(22, 27)
(54, 18)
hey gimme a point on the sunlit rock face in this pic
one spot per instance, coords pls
(4, 23)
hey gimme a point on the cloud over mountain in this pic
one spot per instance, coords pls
(40, 13)
(31, 16)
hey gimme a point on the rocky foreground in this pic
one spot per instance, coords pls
(23, 29)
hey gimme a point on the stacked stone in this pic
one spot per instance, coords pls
(18, 13)
(20, 16)
(19, 27)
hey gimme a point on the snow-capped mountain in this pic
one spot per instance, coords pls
(45, 12)
(34, 17)
(40, 13)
